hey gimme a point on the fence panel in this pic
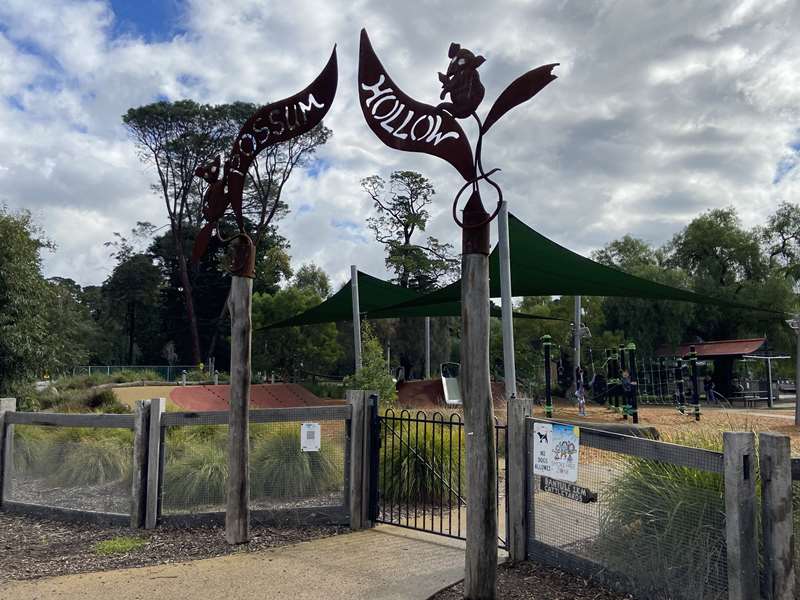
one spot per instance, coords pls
(286, 481)
(643, 516)
(73, 464)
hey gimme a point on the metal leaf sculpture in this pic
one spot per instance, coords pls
(403, 123)
(271, 124)
(521, 90)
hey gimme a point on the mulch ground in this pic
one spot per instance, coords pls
(32, 548)
(529, 581)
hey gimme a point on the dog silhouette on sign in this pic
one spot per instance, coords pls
(542, 436)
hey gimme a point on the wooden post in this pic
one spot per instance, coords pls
(517, 457)
(237, 510)
(141, 421)
(776, 515)
(153, 461)
(740, 515)
(507, 308)
(481, 554)
(7, 405)
(356, 317)
(357, 400)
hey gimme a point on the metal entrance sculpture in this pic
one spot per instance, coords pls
(403, 123)
(269, 125)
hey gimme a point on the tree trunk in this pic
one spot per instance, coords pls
(189, 302)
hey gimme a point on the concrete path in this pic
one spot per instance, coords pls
(383, 563)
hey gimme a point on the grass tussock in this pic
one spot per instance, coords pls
(119, 545)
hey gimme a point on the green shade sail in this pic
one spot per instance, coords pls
(380, 299)
(540, 267)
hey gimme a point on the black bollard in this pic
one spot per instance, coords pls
(695, 382)
(634, 397)
(548, 397)
(623, 367)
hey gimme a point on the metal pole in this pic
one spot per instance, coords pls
(427, 347)
(577, 342)
(510, 372)
(548, 398)
(634, 400)
(797, 382)
(356, 317)
(389, 357)
(695, 382)
(770, 399)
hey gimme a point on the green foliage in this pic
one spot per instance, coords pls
(424, 466)
(293, 352)
(664, 525)
(325, 390)
(119, 545)
(196, 476)
(280, 469)
(373, 375)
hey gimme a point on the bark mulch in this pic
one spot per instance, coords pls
(31, 547)
(528, 581)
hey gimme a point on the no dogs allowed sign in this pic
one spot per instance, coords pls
(555, 451)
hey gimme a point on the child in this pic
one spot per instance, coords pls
(579, 393)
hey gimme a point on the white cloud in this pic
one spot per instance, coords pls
(660, 112)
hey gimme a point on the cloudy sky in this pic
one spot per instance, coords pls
(662, 110)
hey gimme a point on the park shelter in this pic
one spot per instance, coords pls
(723, 353)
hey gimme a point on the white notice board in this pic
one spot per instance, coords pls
(309, 437)
(556, 450)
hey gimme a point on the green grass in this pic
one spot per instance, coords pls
(119, 545)
(665, 526)
(197, 476)
(422, 463)
(280, 469)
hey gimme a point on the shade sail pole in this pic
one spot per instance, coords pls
(427, 347)
(577, 358)
(510, 371)
(356, 317)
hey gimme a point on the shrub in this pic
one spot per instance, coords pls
(90, 457)
(280, 469)
(32, 446)
(665, 526)
(373, 374)
(197, 476)
(426, 466)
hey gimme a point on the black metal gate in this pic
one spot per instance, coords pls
(419, 473)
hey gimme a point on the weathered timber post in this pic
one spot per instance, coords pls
(776, 515)
(237, 509)
(740, 515)
(157, 406)
(481, 554)
(141, 429)
(517, 457)
(7, 405)
(357, 400)
(509, 360)
(427, 348)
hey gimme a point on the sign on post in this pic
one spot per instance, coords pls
(556, 450)
(310, 437)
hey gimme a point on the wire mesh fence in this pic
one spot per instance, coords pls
(74, 468)
(422, 480)
(284, 473)
(644, 516)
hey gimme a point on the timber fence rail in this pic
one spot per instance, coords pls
(153, 467)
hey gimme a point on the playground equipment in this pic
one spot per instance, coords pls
(450, 383)
(548, 397)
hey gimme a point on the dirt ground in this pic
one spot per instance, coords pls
(32, 547)
(523, 581)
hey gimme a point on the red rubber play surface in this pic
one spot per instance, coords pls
(198, 398)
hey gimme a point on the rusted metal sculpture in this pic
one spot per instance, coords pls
(406, 124)
(269, 125)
